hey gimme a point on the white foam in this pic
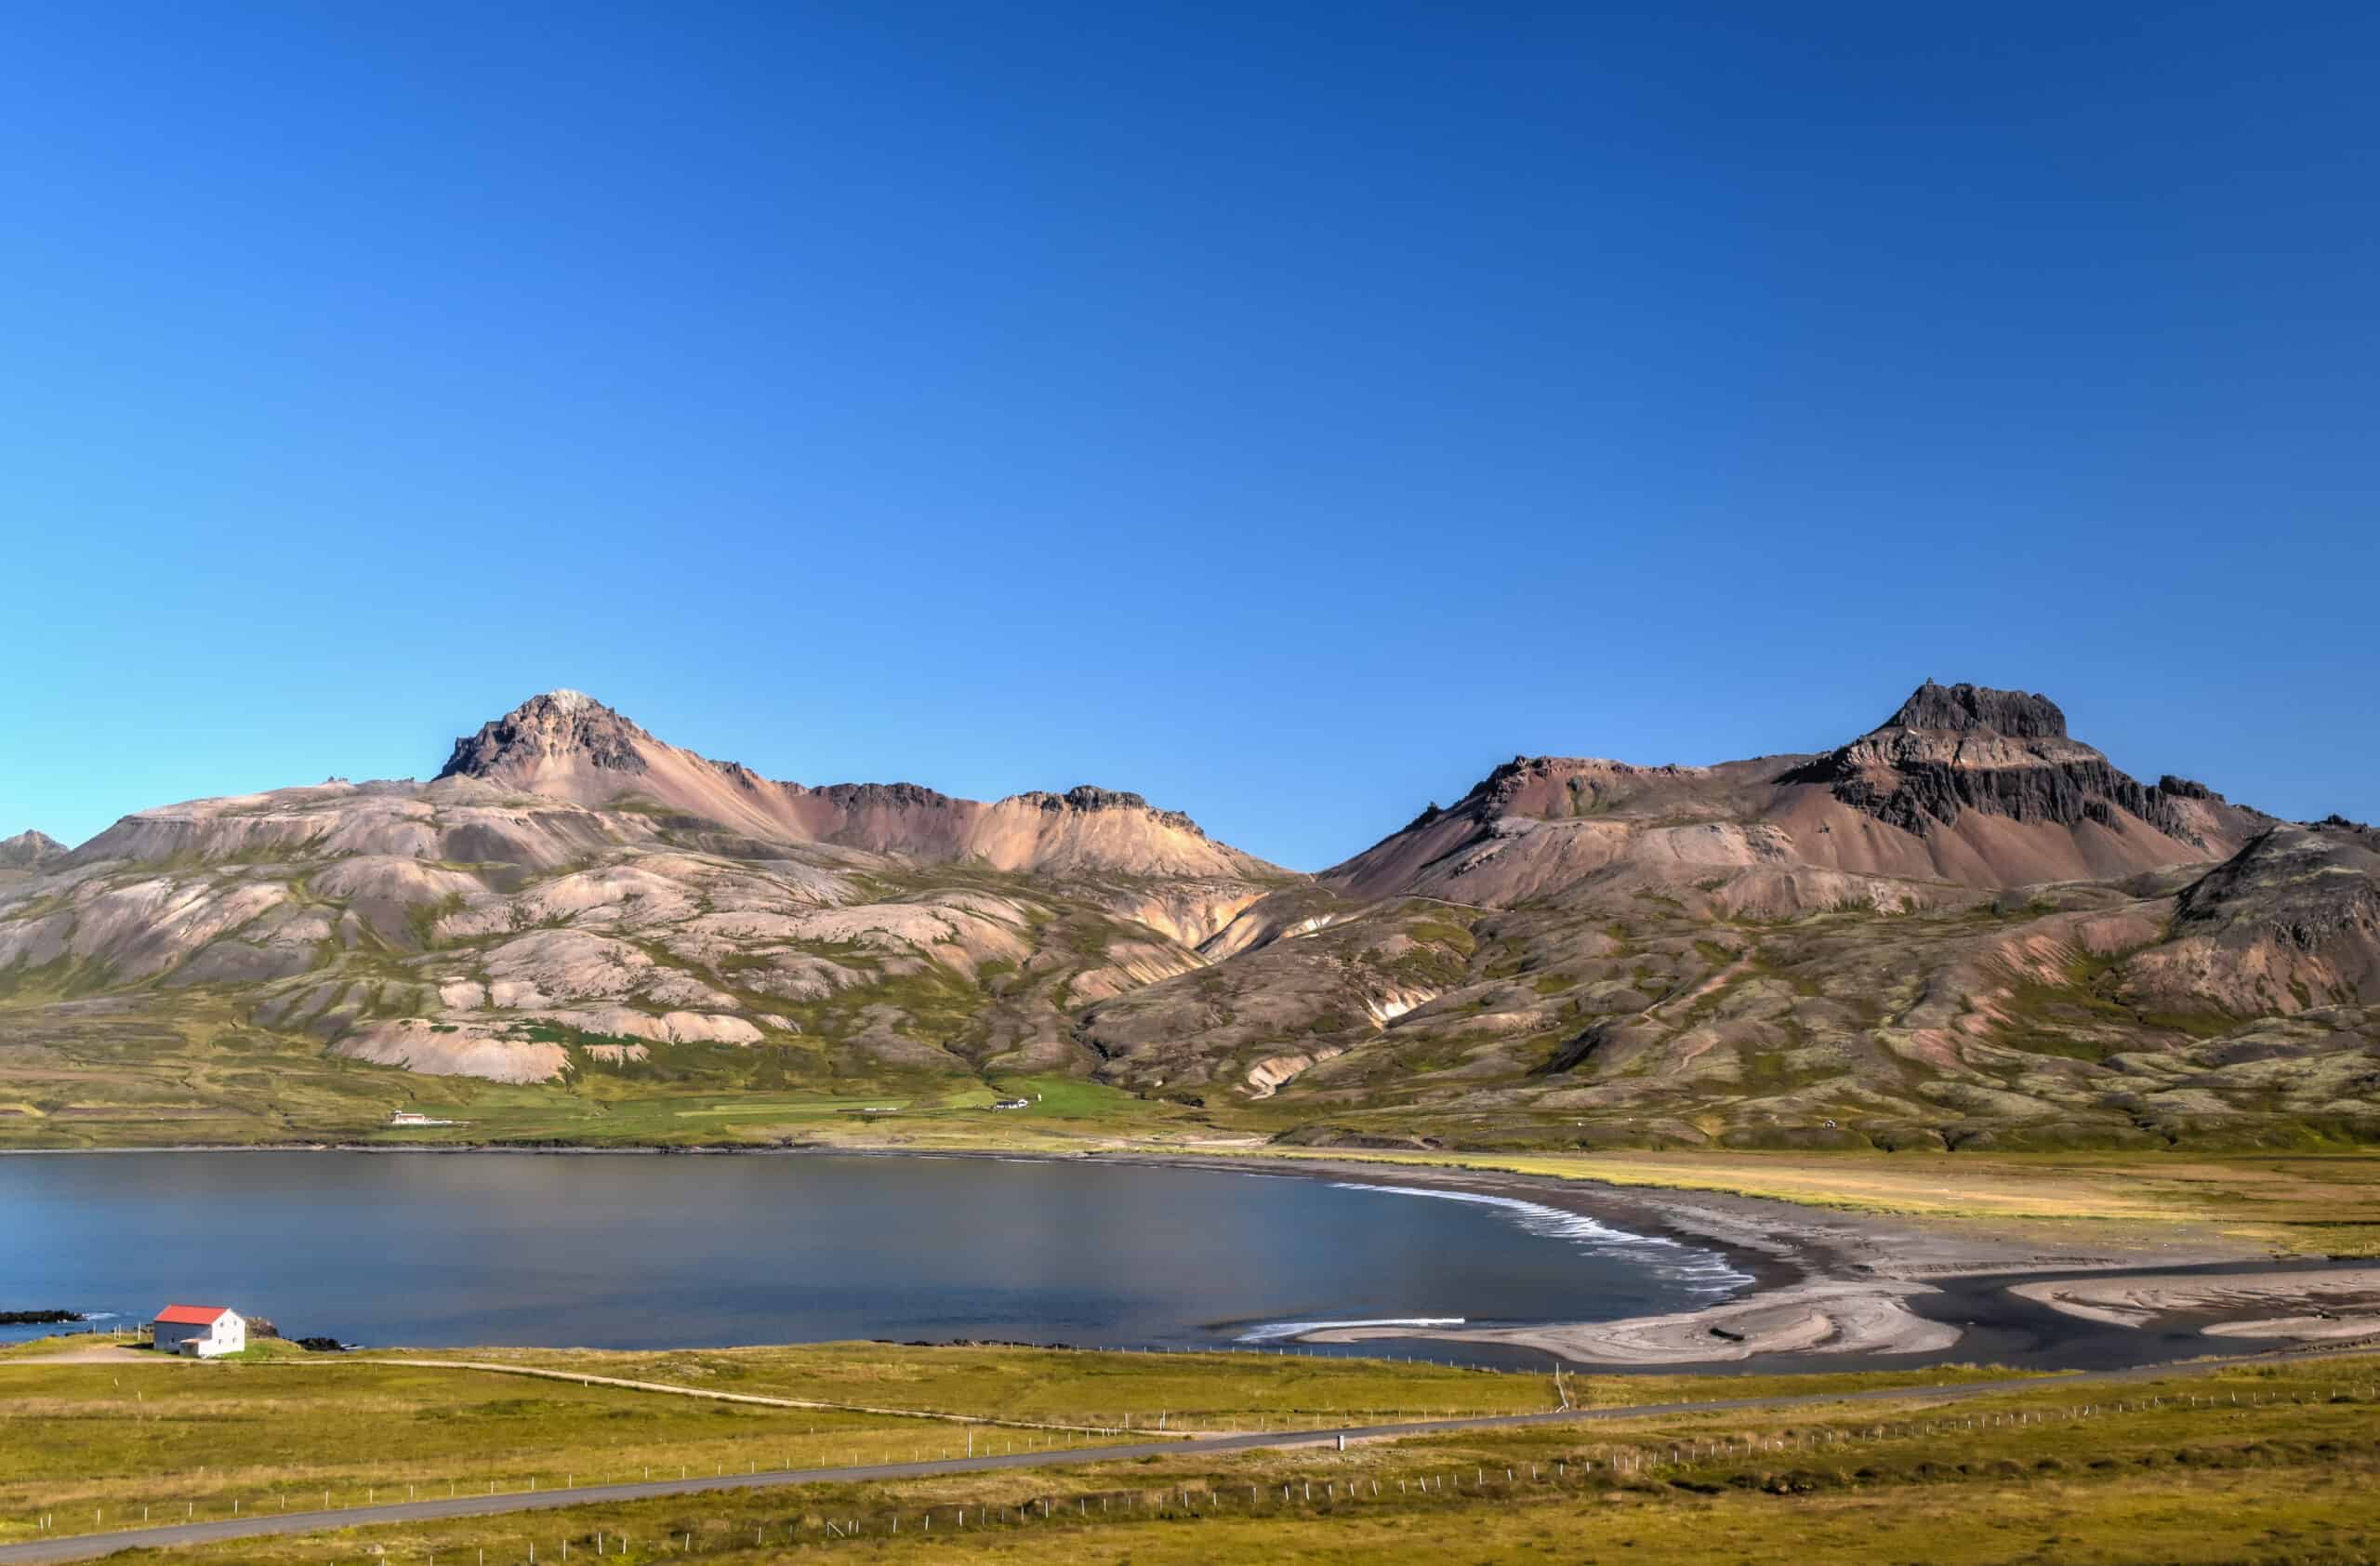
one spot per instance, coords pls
(1698, 1271)
(1272, 1330)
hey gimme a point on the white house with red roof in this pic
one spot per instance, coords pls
(200, 1330)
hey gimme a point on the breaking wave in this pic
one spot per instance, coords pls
(1695, 1270)
(1272, 1330)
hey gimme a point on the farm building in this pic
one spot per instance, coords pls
(204, 1331)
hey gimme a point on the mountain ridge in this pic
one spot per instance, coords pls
(1962, 926)
(1965, 801)
(568, 745)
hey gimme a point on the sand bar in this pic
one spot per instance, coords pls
(2327, 1305)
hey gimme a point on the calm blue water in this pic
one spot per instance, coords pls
(630, 1252)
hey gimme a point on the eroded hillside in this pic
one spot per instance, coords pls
(1964, 927)
(557, 903)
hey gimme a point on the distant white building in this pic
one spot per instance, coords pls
(202, 1331)
(415, 1117)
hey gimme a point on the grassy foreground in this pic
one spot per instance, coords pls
(278, 1428)
(1207, 1393)
(2269, 1464)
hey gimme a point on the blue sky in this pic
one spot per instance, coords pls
(1288, 411)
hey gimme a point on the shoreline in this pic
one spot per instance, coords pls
(1826, 1288)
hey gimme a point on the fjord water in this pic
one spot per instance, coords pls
(631, 1251)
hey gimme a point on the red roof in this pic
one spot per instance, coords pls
(191, 1315)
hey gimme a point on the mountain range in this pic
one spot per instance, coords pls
(1962, 927)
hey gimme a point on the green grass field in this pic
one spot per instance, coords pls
(269, 1433)
(1207, 1392)
(2271, 1463)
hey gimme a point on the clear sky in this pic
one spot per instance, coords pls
(1288, 411)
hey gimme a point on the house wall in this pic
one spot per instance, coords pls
(228, 1334)
(172, 1334)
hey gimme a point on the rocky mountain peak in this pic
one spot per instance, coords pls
(884, 796)
(29, 850)
(1089, 796)
(1085, 798)
(560, 724)
(1954, 748)
(1958, 709)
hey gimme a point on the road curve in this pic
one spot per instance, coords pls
(93, 1547)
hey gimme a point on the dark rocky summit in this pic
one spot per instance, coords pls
(1957, 748)
(558, 723)
(881, 796)
(1958, 709)
(1088, 797)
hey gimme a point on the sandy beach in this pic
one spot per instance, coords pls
(1839, 1287)
(2336, 1305)
(1818, 1318)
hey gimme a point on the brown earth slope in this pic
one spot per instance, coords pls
(571, 895)
(1964, 786)
(565, 745)
(1964, 927)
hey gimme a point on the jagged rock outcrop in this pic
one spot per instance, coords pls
(1959, 709)
(564, 726)
(1951, 749)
